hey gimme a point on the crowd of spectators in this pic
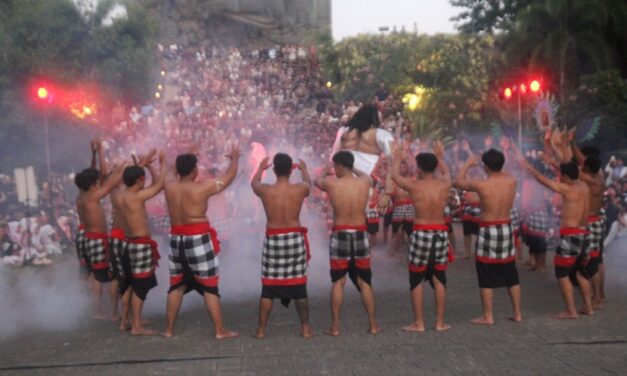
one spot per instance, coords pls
(264, 98)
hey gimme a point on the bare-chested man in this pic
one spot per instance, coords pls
(535, 222)
(349, 248)
(429, 247)
(363, 137)
(592, 175)
(495, 258)
(194, 244)
(95, 248)
(404, 210)
(570, 256)
(285, 252)
(141, 257)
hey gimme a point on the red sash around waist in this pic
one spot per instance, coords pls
(81, 227)
(288, 230)
(349, 228)
(407, 201)
(423, 227)
(573, 231)
(594, 218)
(117, 233)
(494, 223)
(201, 228)
(96, 235)
(153, 247)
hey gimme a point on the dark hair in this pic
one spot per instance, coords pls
(493, 159)
(344, 158)
(365, 118)
(78, 177)
(282, 164)
(593, 164)
(88, 177)
(570, 169)
(591, 151)
(427, 162)
(185, 164)
(132, 174)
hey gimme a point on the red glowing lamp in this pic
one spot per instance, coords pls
(507, 93)
(42, 93)
(534, 86)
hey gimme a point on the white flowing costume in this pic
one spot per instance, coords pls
(365, 161)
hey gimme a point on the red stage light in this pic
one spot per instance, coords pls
(534, 86)
(507, 93)
(523, 88)
(42, 93)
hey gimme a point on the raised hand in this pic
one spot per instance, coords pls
(265, 163)
(161, 157)
(472, 160)
(234, 154)
(438, 149)
(301, 165)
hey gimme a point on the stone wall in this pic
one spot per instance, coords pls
(192, 22)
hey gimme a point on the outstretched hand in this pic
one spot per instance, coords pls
(301, 165)
(234, 154)
(438, 149)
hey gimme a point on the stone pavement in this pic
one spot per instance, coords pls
(539, 346)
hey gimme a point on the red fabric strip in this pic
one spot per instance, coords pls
(117, 233)
(417, 269)
(208, 281)
(407, 201)
(153, 247)
(595, 253)
(531, 232)
(594, 218)
(573, 231)
(284, 282)
(470, 218)
(564, 261)
(430, 227)
(363, 263)
(191, 229)
(340, 264)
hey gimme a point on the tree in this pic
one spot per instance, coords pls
(488, 16)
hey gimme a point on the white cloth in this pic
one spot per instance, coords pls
(365, 162)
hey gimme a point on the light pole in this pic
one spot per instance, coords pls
(521, 89)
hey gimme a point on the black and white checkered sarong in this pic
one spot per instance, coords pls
(404, 213)
(495, 242)
(349, 251)
(193, 259)
(118, 247)
(426, 244)
(596, 228)
(143, 256)
(284, 258)
(80, 251)
(536, 223)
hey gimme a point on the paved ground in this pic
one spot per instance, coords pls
(589, 346)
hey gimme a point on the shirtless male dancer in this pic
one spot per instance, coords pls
(93, 188)
(286, 251)
(404, 211)
(141, 256)
(570, 256)
(349, 248)
(194, 244)
(429, 247)
(495, 258)
(592, 175)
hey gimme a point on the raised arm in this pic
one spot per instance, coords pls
(362, 175)
(575, 149)
(255, 183)
(461, 181)
(438, 150)
(218, 185)
(157, 181)
(305, 175)
(113, 180)
(321, 180)
(399, 155)
(104, 168)
(94, 153)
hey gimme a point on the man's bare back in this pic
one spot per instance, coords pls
(349, 197)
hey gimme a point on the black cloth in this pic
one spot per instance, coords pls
(497, 275)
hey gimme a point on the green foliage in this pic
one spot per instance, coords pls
(488, 16)
(52, 40)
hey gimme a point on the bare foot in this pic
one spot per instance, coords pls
(226, 334)
(586, 311)
(167, 334)
(141, 331)
(147, 322)
(566, 316)
(516, 319)
(307, 332)
(332, 332)
(99, 316)
(442, 327)
(124, 326)
(261, 333)
(374, 329)
(414, 328)
(482, 321)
